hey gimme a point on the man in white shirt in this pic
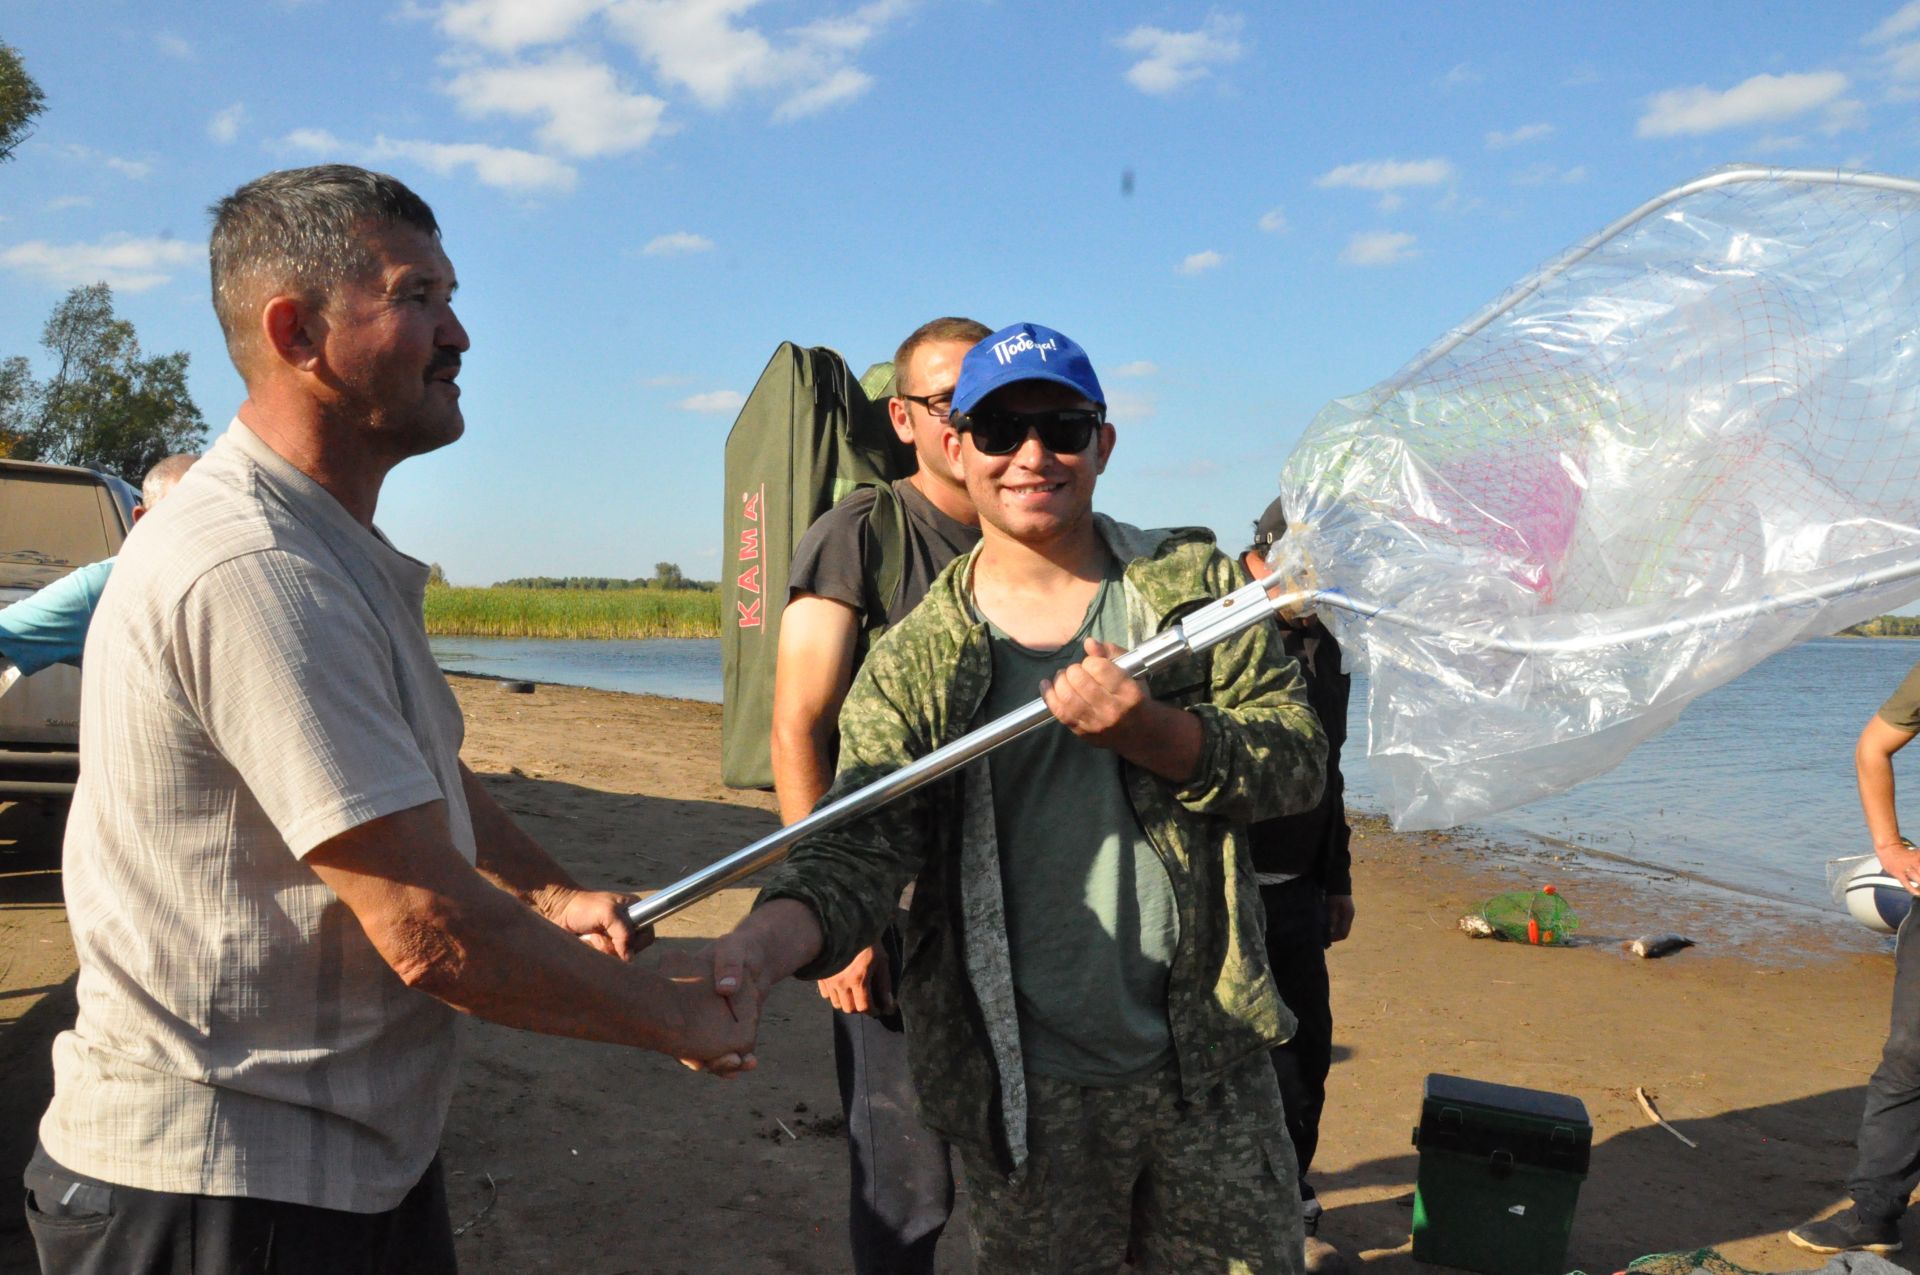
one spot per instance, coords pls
(283, 884)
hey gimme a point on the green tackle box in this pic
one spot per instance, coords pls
(1500, 1172)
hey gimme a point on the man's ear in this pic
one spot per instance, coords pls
(956, 453)
(1106, 445)
(902, 427)
(292, 330)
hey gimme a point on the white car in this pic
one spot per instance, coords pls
(53, 518)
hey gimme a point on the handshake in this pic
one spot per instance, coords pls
(712, 1015)
(701, 1007)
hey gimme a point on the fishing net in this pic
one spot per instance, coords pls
(1700, 428)
(1531, 916)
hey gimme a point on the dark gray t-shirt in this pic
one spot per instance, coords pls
(830, 560)
(1091, 919)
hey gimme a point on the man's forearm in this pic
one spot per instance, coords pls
(505, 854)
(489, 956)
(801, 770)
(1875, 772)
(1169, 743)
(778, 937)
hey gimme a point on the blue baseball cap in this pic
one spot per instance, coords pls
(1025, 352)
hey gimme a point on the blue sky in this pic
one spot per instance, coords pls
(644, 197)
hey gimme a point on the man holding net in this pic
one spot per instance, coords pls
(1304, 865)
(1088, 1004)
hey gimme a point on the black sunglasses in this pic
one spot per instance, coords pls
(1065, 431)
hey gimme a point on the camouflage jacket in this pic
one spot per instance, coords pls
(923, 686)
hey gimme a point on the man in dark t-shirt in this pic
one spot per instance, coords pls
(902, 1189)
(1304, 866)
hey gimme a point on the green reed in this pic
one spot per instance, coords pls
(572, 613)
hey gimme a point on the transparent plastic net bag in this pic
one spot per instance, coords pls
(1702, 426)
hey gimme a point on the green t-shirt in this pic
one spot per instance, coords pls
(1902, 711)
(1091, 921)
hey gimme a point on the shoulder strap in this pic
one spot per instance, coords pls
(883, 558)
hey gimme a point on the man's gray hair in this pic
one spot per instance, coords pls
(164, 474)
(299, 231)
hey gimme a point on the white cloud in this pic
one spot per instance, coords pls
(501, 167)
(133, 168)
(173, 46)
(69, 201)
(1378, 248)
(225, 124)
(507, 26)
(1199, 470)
(583, 109)
(1844, 115)
(678, 244)
(1460, 76)
(121, 262)
(1902, 21)
(664, 381)
(699, 46)
(1126, 406)
(1139, 367)
(1525, 133)
(715, 401)
(1388, 174)
(1274, 221)
(1763, 99)
(1174, 59)
(842, 86)
(1550, 175)
(1200, 262)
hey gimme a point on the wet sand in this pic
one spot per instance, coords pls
(586, 1158)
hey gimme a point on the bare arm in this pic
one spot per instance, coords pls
(815, 667)
(518, 864)
(776, 939)
(1873, 765)
(811, 676)
(445, 930)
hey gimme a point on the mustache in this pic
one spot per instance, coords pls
(443, 362)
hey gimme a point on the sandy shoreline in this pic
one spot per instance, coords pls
(586, 1158)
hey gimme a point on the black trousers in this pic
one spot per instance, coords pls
(1297, 954)
(82, 1226)
(1888, 1167)
(902, 1191)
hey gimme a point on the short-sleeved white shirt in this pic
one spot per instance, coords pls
(258, 680)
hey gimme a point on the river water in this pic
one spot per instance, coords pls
(1752, 789)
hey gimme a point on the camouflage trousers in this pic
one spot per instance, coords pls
(1204, 1188)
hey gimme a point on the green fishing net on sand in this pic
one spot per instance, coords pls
(1540, 917)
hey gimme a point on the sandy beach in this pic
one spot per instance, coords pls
(587, 1159)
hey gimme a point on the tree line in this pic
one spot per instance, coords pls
(666, 575)
(103, 403)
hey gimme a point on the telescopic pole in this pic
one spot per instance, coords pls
(1235, 613)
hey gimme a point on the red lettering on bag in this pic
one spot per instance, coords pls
(752, 513)
(749, 543)
(749, 580)
(749, 613)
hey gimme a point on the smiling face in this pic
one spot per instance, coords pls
(1032, 495)
(393, 344)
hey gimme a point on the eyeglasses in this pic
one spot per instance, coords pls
(1066, 431)
(939, 406)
